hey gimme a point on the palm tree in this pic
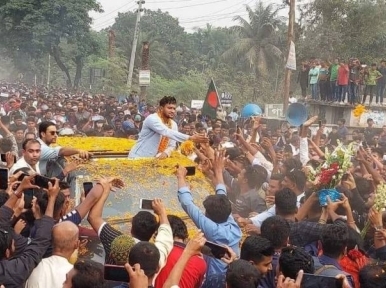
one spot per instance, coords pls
(158, 55)
(258, 39)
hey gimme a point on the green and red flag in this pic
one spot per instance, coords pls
(212, 102)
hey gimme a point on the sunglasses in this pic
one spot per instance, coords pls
(53, 133)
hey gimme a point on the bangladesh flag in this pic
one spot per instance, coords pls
(212, 101)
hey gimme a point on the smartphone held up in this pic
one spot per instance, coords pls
(4, 178)
(146, 204)
(43, 181)
(87, 186)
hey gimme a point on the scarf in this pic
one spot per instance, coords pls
(163, 144)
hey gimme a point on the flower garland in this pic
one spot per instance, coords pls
(164, 142)
(110, 144)
(359, 110)
(187, 148)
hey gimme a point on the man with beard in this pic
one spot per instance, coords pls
(82, 114)
(159, 133)
(48, 135)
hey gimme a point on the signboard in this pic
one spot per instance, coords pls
(95, 74)
(274, 110)
(197, 104)
(291, 61)
(144, 77)
(226, 99)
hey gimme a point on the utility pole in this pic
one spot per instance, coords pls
(134, 48)
(287, 78)
(111, 44)
(145, 65)
(49, 74)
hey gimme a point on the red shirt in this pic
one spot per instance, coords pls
(343, 75)
(194, 272)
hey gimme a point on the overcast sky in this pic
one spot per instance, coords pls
(191, 13)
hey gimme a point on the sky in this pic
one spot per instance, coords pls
(191, 13)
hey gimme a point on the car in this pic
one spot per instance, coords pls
(143, 178)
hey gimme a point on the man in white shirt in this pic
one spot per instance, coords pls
(159, 133)
(51, 272)
(31, 156)
(294, 180)
(292, 98)
(234, 115)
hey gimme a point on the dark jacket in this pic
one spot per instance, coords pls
(15, 271)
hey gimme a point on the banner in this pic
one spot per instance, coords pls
(144, 77)
(291, 61)
(226, 99)
(196, 104)
(212, 101)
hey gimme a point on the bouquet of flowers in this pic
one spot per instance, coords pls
(329, 174)
(379, 205)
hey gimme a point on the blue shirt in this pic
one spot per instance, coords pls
(47, 153)
(227, 233)
(332, 272)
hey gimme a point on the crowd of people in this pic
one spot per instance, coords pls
(332, 82)
(263, 225)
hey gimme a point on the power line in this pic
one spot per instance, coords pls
(104, 22)
(111, 12)
(217, 17)
(170, 1)
(194, 5)
(219, 11)
(211, 21)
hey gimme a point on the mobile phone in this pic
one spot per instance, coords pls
(191, 170)
(87, 186)
(317, 281)
(331, 193)
(216, 250)
(21, 177)
(365, 145)
(345, 177)
(4, 158)
(28, 196)
(145, 204)
(42, 181)
(320, 124)
(116, 273)
(4, 178)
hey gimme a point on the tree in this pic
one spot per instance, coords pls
(38, 27)
(343, 28)
(257, 43)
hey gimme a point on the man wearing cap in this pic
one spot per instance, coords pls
(98, 127)
(159, 133)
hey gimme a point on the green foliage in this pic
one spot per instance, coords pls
(246, 60)
(257, 43)
(343, 28)
(191, 86)
(115, 70)
(37, 27)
